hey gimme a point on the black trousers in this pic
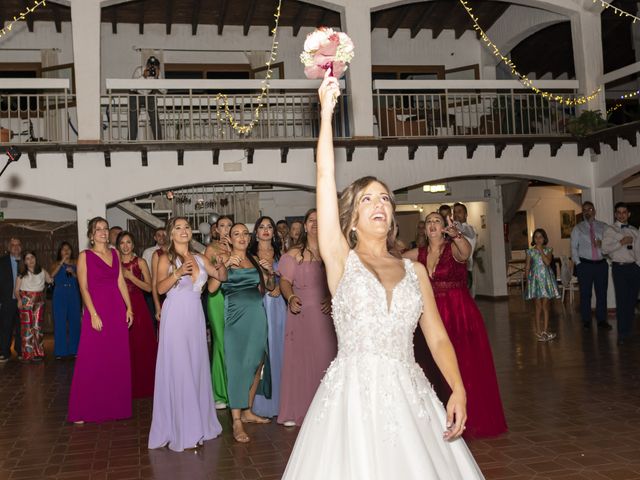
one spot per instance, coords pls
(626, 280)
(148, 102)
(9, 328)
(593, 276)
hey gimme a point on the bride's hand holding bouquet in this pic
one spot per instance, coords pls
(328, 92)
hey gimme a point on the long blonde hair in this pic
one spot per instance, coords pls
(348, 210)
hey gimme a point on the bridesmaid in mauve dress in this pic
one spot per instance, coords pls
(101, 385)
(310, 342)
(183, 411)
(266, 245)
(142, 337)
(447, 270)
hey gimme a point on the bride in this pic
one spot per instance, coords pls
(375, 415)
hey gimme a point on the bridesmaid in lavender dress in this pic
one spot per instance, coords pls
(310, 338)
(183, 410)
(101, 385)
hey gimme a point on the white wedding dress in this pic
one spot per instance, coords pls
(375, 415)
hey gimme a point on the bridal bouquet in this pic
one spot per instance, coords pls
(326, 49)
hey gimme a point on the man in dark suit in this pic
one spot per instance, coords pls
(9, 320)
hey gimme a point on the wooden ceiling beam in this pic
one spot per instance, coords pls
(114, 21)
(419, 24)
(222, 14)
(299, 19)
(26, 5)
(322, 22)
(168, 16)
(375, 19)
(141, 19)
(397, 21)
(195, 15)
(57, 20)
(248, 17)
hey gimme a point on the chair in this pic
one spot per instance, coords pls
(568, 281)
(390, 126)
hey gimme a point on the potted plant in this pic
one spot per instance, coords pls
(587, 122)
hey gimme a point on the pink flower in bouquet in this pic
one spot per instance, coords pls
(323, 49)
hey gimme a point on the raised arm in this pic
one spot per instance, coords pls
(333, 246)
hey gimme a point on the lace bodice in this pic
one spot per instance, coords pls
(363, 321)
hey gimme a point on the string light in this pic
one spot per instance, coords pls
(523, 78)
(21, 16)
(616, 10)
(221, 97)
(614, 108)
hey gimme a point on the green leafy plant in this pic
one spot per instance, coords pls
(587, 122)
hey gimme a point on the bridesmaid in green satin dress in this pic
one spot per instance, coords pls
(245, 327)
(215, 313)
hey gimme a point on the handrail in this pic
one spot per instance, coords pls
(620, 73)
(34, 84)
(471, 84)
(236, 84)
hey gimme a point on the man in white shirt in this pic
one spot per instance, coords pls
(468, 232)
(146, 99)
(592, 269)
(160, 237)
(621, 243)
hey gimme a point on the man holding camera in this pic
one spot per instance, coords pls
(145, 99)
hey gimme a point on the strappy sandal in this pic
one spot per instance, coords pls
(240, 437)
(259, 419)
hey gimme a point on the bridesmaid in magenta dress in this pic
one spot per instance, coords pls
(310, 342)
(445, 260)
(101, 385)
(142, 337)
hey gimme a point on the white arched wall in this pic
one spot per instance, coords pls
(612, 167)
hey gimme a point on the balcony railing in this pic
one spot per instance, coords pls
(189, 111)
(415, 108)
(37, 111)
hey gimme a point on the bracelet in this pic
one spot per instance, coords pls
(291, 296)
(458, 236)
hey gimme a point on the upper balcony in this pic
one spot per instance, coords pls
(196, 114)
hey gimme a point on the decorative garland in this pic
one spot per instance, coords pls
(523, 78)
(228, 115)
(21, 16)
(616, 10)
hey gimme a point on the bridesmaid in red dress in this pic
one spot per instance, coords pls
(445, 260)
(142, 338)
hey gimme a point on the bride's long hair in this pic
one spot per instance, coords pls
(348, 210)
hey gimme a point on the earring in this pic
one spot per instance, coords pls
(353, 229)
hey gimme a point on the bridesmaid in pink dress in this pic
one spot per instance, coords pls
(310, 342)
(143, 345)
(445, 260)
(101, 385)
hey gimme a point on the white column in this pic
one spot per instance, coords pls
(586, 36)
(357, 22)
(495, 224)
(85, 25)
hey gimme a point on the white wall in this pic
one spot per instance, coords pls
(18, 208)
(543, 206)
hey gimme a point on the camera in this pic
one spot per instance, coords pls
(153, 64)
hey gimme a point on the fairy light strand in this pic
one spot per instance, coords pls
(22, 16)
(616, 10)
(570, 101)
(221, 97)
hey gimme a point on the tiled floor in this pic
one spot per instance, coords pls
(573, 407)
